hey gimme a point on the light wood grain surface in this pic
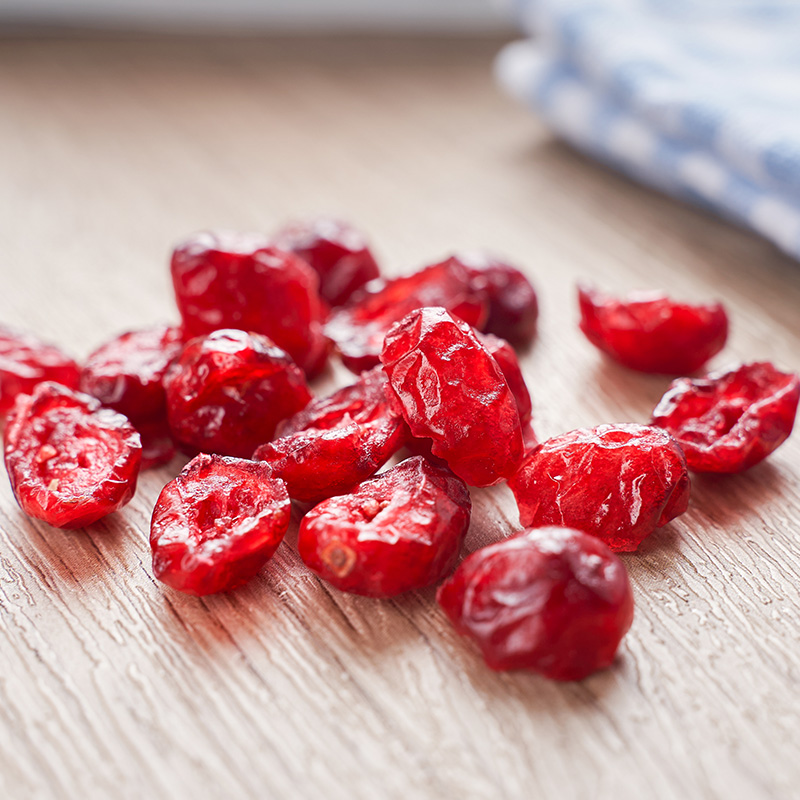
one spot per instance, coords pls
(113, 686)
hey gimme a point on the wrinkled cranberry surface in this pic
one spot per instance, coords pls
(616, 482)
(337, 441)
(451, 390)
(730, 420)
(359, 328)
(338, 253)
(399, 531)
(25, 361)
(70, 461)
(217, 524)
(502, 352)
(228, 391)
(552, 600)
(234, 280)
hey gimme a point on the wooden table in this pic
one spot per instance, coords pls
(113, 686)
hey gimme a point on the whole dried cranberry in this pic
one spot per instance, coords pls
(552, 600)
(69, 460)
(338, 253)
(336, 442)
(651, 333)
(399, 531)
(616, 482)
(25, 361)
(502, 352)
(228, 391)
(230, 280)
(359, 328)
(217, 524)
(452, 391)
(730, 420)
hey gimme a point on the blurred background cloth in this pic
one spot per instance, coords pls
(699, 98)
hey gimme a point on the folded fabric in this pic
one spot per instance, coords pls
(699, 98)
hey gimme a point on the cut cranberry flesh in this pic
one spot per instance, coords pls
(336, 442)
(228, 391)
(230, 280)
(338, 253)
(399, 531)
(359, 328)
(651, 333)
(70, 461)
(25, 361)
(552, 600)
(502, 352)
(451, 390)
(616, 482)
(731, 420)
(217, 524)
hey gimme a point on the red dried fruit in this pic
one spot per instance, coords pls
(336, 442)
(338, 253)
(228, 391)
(651, 333)
(452, 391)
(231, 280)
(158, 446)
(728, 421)
(217, 524)
(552, 600)
(399, 531)
(502, 352)
(69, 460)
(616, 482)
(359, 328)
(25, 361)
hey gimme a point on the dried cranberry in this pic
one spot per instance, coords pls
(502, 352)
(69, 460)
(337, 441)
(651, 333)
(228, 391)
(730, 420)
(359, 328)
(25, 361)
(217, 524)
(230, 280)
(399, 531)
(616, 482)
(452, 391)
(337, 252)
(551, 600)
(158, 446)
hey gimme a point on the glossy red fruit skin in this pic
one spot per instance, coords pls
(25, 361)
(730, 420)
(217, 524)
(648, 332)
(337, 441)
(616, 482)
(502, 352)
(70, 461)
(228, 391)
(336, 251)
(235, 280)
(552, 600)
(450, 390)
(359, 328)
(397, 532)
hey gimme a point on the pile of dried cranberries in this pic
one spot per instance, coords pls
(437, 375)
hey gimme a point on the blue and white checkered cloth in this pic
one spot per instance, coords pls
(699, 98)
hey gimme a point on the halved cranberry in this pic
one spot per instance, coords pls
(228, 391)
(451, 390)
(728, 421)
(338, 253)
(69, 460)
(217, 524)
(651, 333)
(399, 531)
(552, 600)
(616, 482)
(502, 352)
(25, 361)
